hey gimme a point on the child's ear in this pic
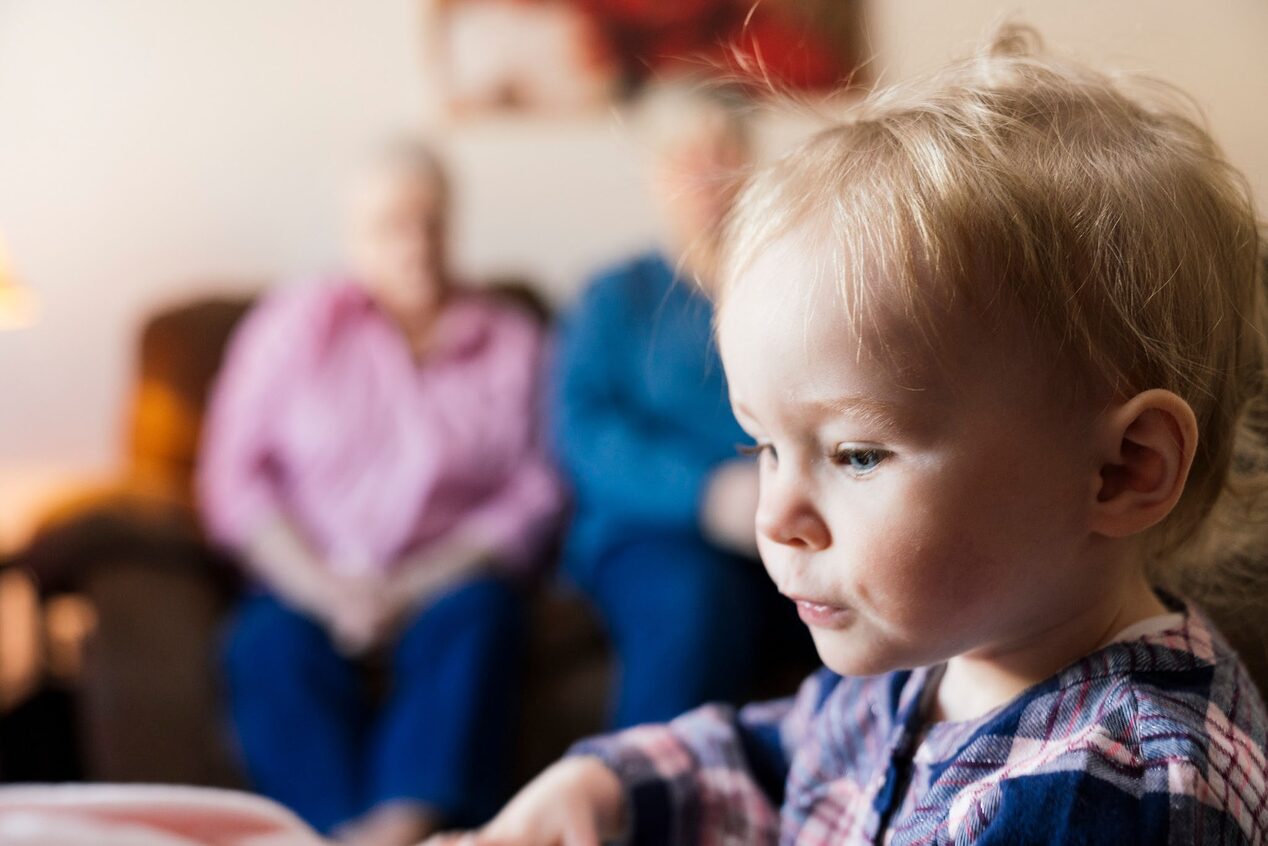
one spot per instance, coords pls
(1148, 446)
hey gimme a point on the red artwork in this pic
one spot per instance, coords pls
(785, 40)
(552, 55)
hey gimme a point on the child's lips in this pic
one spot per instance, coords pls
(821, 614)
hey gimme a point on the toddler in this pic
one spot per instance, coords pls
(996, 339)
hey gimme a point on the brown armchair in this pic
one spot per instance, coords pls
(150, 706)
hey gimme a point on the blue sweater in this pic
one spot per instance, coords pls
(640, 410)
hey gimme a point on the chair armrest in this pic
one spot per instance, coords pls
(152, 530)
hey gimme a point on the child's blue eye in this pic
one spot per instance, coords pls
(860, 461)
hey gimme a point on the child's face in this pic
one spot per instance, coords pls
(917, 505)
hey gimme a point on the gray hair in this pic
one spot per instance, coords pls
(670, 111)
(406, 156)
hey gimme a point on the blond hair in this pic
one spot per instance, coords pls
(1096, 207)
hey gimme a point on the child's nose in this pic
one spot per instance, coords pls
(786, 516)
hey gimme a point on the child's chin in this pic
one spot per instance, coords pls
(848, 654)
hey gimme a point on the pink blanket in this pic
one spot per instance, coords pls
(144, 815)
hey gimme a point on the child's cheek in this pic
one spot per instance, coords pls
(928, 580)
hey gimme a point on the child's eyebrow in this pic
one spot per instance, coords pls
(867, 409)
(871, 411)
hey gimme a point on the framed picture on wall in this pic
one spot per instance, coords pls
(557, 56)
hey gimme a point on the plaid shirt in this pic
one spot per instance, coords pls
(1156, 739)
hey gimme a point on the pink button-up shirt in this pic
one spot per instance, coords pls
(323, 414)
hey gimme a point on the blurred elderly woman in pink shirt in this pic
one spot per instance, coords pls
(372, 455)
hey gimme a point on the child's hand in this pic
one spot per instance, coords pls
(576, 802)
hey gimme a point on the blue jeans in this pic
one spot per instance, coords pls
(691, 624)
(314, 739)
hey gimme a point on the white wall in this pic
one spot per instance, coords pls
(1217, 51)
(147, 146)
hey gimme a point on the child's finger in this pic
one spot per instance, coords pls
(489, 840)
(458, 839)
(579, 831)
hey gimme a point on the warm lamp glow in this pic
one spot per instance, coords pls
(17, 305)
